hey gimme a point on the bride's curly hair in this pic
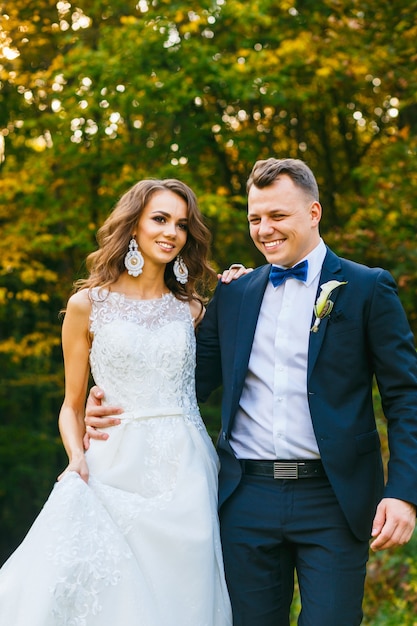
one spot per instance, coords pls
(106, 264)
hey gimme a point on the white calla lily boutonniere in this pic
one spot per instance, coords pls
(323, 305)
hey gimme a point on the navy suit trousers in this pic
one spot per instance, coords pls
(274, 528)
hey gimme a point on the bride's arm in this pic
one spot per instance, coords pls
(236, 270)
(75, 346)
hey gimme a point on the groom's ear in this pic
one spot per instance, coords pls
(315, 213)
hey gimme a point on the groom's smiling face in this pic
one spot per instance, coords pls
(283, 221)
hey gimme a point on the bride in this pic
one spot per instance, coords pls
(129, 534)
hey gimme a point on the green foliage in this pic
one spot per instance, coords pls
(30, 461)
(391, 587)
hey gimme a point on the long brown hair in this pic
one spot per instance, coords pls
(106, 264)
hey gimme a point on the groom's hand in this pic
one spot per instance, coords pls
(394, 523)
(98, 417)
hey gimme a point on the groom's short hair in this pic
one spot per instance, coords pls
(266, 171)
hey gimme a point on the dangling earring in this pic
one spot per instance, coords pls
(180, 270)
(134, 259)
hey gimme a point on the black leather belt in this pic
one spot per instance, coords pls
(284, 469)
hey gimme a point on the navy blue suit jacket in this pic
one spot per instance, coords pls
(366, 335)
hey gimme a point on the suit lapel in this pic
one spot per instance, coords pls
(331, 270)
(246, 325)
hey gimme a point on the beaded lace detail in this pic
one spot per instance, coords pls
(143, 355)
(87, 558)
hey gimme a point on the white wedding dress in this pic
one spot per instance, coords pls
(139, 545)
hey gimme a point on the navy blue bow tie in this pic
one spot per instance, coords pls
(278, 275)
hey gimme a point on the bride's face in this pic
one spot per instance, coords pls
(161, 232)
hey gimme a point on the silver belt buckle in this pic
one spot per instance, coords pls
(284, 470)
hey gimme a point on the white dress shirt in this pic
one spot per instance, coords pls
(273, 420)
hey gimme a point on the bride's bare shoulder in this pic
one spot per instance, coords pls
(79, 303)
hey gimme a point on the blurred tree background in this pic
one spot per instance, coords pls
(99, 94)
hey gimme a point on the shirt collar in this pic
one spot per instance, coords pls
(315, 260)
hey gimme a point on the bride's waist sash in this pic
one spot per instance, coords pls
(138, 415)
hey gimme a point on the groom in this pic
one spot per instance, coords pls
(301, 484)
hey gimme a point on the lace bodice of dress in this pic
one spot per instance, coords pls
(143, 355)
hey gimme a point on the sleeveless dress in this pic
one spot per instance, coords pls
(139, 544)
